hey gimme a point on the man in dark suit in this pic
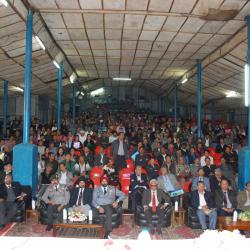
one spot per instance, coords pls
(225, 199)
(162, 156)
(88, 156)
(7, 170)
(81, 197)
(138, 183)
(10, 193)
(119, 152)
(208, 168)
(101, 159)
(141, 159)
(202, 202)
(220, 148)
(154, 201)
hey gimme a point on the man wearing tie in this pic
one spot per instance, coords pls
(81, 197)
(105, 199)
(225, 199)
(154, 201)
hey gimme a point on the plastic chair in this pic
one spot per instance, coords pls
(124, 177)
(95, 175)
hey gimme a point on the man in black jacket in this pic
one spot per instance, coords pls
(10, 193)
(202, 202)
(81, 197)
(225, 199)
(138, 183)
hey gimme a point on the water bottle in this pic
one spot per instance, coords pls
(235, 216)
(176, 206)
(65, 214)
(90, 215)
(33, 204)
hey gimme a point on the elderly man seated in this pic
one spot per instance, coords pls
(168, 183)
(154, 201)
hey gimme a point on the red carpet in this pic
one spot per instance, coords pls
(6, 229)
(128, 230)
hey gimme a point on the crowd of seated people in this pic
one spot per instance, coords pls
(148, 149)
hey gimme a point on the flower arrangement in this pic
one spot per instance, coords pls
(244, 216)
(76, 216)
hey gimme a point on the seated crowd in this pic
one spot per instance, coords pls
(139, 156)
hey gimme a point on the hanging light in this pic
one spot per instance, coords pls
(184, 80)
(122, 79)
(56, 64)
(40, 42)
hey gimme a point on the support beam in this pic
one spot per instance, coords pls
(27, 81)
(244, 153)
(199, 97)
(5, 106)
(175, 103)
(74, 104)
(25, 154)
(59, 97)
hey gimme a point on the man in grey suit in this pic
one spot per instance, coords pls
(154, 200)
(105, 200)
(119, 152)
(168, 183)
(56, 197)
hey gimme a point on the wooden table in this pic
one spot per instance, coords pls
(178, 217)
(32, 213)
(226, 222)
(74, 233)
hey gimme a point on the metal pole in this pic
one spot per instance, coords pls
(248, 62)
(175, 103)
(74, 103)
(5, 106)
(27, 81)
(59, 97)
(199, 93)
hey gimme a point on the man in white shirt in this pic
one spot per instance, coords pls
(203, 203)
(154, 201)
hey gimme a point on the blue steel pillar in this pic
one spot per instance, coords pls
(59, 97)
(25, 154)
(175, 103)
(5, 106)
(199, 93)
(74, 104)
(244, 153)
